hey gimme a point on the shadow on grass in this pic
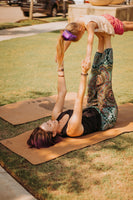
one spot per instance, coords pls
(120, 143)
(42, 179)
(35, 94)
(130, 101)
(24, 173)
(100, 166)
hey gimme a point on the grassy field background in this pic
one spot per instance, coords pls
(100, 172)
(28, 69)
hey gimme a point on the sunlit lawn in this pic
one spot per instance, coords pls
(28, 69)
(101, 172)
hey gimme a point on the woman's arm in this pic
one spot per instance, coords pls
(75, 127)
(61, 88)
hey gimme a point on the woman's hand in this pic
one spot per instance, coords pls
(85, 65)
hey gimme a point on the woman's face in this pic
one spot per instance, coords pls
(50, 125)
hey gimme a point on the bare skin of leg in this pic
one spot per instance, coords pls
(107, 41)
(104, 42)
(128, 26)
(100, 48)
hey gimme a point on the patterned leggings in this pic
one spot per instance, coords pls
(100, 94)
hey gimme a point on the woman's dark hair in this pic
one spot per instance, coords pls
(40, 138)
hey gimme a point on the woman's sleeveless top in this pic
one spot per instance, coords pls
(91, 120)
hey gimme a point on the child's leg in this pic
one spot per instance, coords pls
(128, 25)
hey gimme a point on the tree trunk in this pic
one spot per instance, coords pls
(64, 8)
(31, 10)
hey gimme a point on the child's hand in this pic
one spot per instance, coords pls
(85, 65)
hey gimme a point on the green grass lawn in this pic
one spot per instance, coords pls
(99, 172)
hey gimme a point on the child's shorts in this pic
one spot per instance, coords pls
(116, 23)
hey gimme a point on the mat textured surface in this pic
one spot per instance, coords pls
(26, 111)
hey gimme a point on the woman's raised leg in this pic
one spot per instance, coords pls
(92, 93)
(106, 100)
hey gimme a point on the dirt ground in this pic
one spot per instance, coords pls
(12, 14)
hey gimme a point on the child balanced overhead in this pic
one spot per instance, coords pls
(97, 25)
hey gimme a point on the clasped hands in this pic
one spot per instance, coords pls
(85, 65)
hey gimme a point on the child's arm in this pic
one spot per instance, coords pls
(75, 127)
(66, 45)
(90, 29)
(61, 88)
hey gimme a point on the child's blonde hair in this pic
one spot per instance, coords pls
(73, 28)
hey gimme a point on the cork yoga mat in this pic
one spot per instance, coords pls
(31, 110)
(37, 156)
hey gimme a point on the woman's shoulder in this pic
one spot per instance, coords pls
(61, 115)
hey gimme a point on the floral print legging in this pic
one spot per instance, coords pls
(100, 94)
